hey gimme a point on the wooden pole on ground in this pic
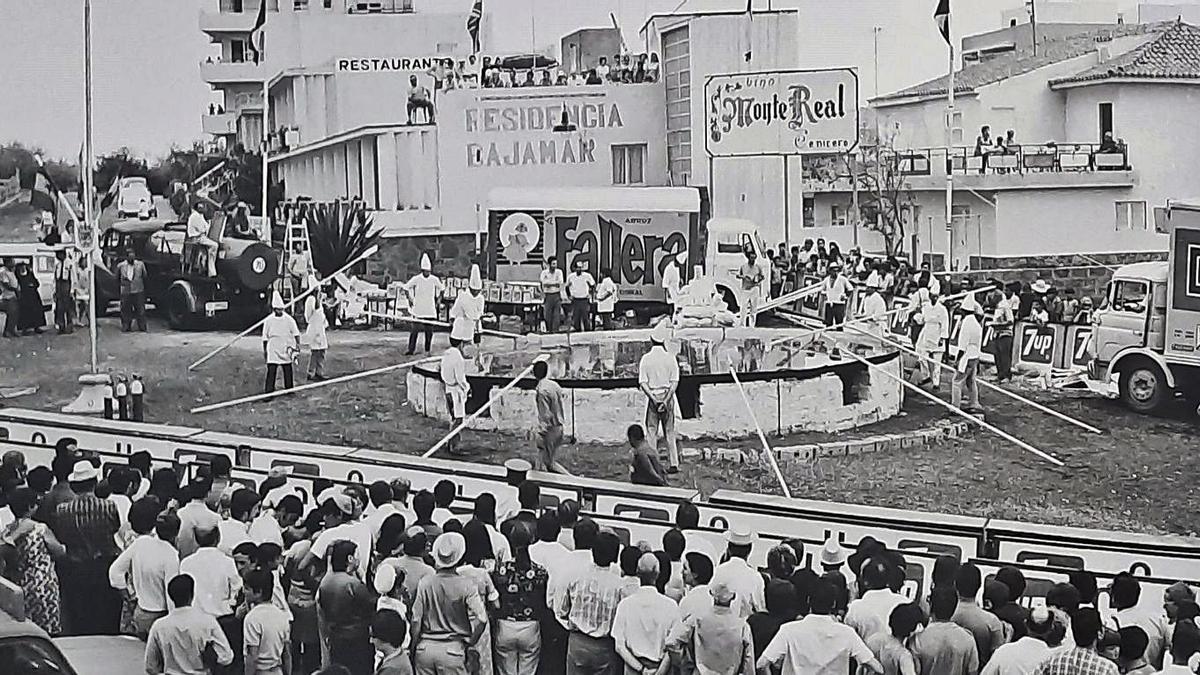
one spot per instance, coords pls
(761, 436)
(313, 385)
(956, 410)
(443, 324)
(469, 418)
(897, 310)
(1049, 411)
(365, 254)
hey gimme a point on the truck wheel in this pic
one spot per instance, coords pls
(179, 315)
(1144, 387)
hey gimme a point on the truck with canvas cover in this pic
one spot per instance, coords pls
(1147, 332)
(635, 232)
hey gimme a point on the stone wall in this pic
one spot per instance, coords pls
(1088, 275)
(399, 258)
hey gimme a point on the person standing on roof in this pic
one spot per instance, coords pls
(197, 236)
(658, 378)
(454, 378)
(423, 292)
(281, 344)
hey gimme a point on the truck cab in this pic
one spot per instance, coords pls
(1146, 333)
(728, 240)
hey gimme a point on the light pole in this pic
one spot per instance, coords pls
(88, 247)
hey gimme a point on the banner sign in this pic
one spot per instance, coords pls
(788, 112)
(1037, 344)
(1077, 342)
(402, 64)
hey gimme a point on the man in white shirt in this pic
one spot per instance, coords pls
(195, 516)
(606, 298)
(268, 527)
(315, 334)
(672, 281)
(932, 338)
(658, 378)
(643, 621)
(747, 583)
(551, 280)
(281, 344)
(1124, 596)
(148, 564)
(216, 577)
(970, 346)
(380, 494)
(753, 278)
(466, 314)
(198, 241)
(874, 309)
(339, 510)
(697, 575)
(177, 642)
(817, 644)
(558, 562)
(243, 509)
(870, 613)
(453, 370)
(1024, 655)
(579, 289)
(836, 289)
(423, 292)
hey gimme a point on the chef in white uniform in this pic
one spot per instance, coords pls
(466, 314)
(931, 341)
(314, 332)
(281, 344)
(454, 379)
(423, 292)
(672, 280)
(874, 308)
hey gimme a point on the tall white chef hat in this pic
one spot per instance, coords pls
(276, 300)
(476, 281)
(426, 265)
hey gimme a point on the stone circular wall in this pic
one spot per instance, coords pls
(791, 389)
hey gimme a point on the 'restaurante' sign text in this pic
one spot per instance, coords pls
(797, 112)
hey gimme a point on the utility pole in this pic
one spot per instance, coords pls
(1032, 6)
(89, 190)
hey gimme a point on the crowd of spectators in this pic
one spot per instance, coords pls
(229, 576)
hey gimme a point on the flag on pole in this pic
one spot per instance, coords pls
(941, 16)
(473, 21)
(111, 196)
(256, 37)
(749, 29)
(43, 195)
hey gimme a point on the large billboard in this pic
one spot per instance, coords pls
(788, 112)
(637, 245)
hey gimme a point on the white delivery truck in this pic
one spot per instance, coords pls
(1147, 332)
(637, 232)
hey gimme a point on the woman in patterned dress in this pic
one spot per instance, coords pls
(36, 548)
(477, 563)
(521, 584)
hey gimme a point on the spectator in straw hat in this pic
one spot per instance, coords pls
(86, 526)
(745, 581)
(714, 638)
(448, 614)
(970, 346)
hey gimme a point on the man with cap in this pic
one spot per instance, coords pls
(658, 378)
(836, 290)
(315, 333)
(86, 526)
(453, 370)
(672, 281)
(423, 291)
(281, 344)
(970, 346)
(747, 583)
(580, 285)
(466, 314)
(551, 281)
(643, 621)
(715, 637)
(931, 340)
(448, 614)
(873, 309)
(751, 275)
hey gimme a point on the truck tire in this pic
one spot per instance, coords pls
(179, 312)
(1143, 387)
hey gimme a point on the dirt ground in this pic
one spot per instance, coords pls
(1141, 475)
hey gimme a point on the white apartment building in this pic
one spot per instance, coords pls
(1056, 191)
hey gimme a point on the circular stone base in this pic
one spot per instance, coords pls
(789, 389)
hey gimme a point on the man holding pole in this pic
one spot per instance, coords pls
(315, 335)
(454, 378)
(658, 378)
(281, 344)
(970, 346)
(466, 314)
(423, 292)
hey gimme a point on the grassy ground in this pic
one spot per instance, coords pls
(1141, 475)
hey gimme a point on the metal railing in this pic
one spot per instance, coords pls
(1014, 159)
(379, 6)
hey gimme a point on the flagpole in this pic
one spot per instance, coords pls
(89, 215)
(949, 157)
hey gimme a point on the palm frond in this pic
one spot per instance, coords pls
(339, 232)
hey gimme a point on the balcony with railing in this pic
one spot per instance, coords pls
(215, 71)
(379, 6)
(219, 123)
(233, 16)
(1017, 167)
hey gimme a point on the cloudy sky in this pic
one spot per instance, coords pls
(148, 92)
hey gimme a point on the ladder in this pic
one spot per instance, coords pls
(296, 233)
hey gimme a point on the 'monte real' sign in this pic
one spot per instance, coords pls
(790, 112)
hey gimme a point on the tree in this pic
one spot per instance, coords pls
(885, 195)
